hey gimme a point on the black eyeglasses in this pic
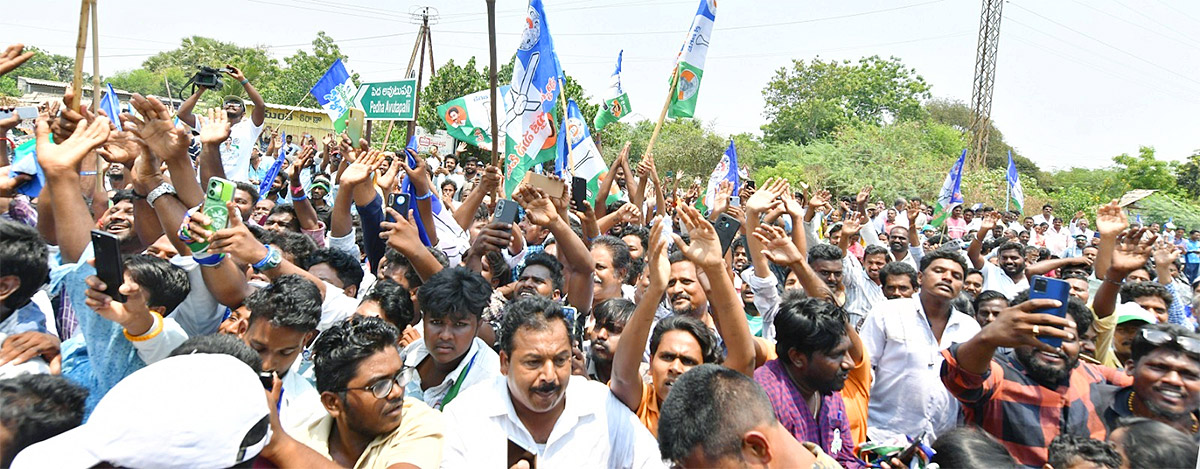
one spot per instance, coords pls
(382, 388)
(1159, 338)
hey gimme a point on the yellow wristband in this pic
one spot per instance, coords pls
(152, 333)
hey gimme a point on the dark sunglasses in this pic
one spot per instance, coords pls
(1159, 338)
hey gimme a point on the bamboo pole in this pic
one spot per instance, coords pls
(412, 125)
(491, 10)
(96, 61)
(80, 47)
(662, 115)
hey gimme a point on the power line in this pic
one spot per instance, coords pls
(1152, 31)
(1152, 20)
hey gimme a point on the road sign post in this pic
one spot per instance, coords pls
(391, 100)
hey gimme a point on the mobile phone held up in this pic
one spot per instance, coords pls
(578, 193)
(1054, 289)
(727, 230)
(399, 203)
(506, 212)
(109, 266)
(219, 192)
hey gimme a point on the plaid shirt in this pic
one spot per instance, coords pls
(1024, 415)
(830, 431)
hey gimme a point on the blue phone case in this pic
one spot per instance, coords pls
(1050, 288)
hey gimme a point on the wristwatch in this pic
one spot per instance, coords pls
(161, 190)
(272, 260)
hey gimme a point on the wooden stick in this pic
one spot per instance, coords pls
(80, 47)
(96, 62)
(412, 125)
(387, 138)
(663, 115)
(491, 10)
(562, 99)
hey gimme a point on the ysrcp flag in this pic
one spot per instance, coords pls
(111, 105)
(1016, 194)
(583, 160)
(616, 105)
(951, 193)
(529, 132)
(334, 92)
(726, 170)
(690, 66)
(469, 118)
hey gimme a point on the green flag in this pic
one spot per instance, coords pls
(469, 118)
(616, 105)
(690, 68)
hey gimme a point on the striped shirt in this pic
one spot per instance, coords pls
(830, 430)
(1024, 415)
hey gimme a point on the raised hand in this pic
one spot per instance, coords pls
(777, 245)
(157, 130)
(705, 247)
(1110, 219)
(913, 210)
(539, 210)
(303, 159)
(494, 236)
(1131, 252)
(1166, 254)
(767, 198)
(387, 179)
(721, 198)
(67, 155)
(215, 129)
(122, 147)
(361, 167)
(402, 234)
(1015, 326)
(134, 309)
(13, 57)
(417, 175)
(236, 240)
(819, 199)
(235, 72)
(658, 266)
(863, 196)
(490, 179)
(989, 222)
(852, 224)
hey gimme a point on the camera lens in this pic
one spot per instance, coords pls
(1039, 284)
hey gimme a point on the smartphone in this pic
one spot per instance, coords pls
(267, 379)
(1054, 289)
(399, 203)
(727, 229)
(219, 192)
(750, 184)
(576, 329)
(506, 212)
(578, 193)
(109, 266)
(24, 112)
(553, 187)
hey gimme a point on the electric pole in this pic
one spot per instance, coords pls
(985, 77)
(424, 46)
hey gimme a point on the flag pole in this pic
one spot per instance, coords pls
(95, 60)
(80, 46)
(663, 115)
(562, 100)
(491, 11)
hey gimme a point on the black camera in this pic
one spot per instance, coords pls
(209, 77)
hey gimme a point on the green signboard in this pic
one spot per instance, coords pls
(390, 100)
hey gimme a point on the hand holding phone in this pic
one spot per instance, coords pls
(399, 203)
(1050, 288)
(110, 268)
(506, 211)
(578, 193)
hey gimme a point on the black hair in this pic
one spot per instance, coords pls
(710, 408)
(249, 189)
(986, 296)
(221, 344)
(1066, 448)
(338, 351)
(1142, 347)
(498, 267)
(166, 284)
(970, 447)
(824, 252)
(710, 352)
(615, 310)
(898, 268)
(23, 254)
(642, 233)
(874, 249)
(808, 325)
(1133, 290)
(399, 261)
(288, 209)
(349, 271)
(1047, 206)
(290, 301)
(37, 407)
(619, 250)
(394, 300)
(1150, 443)
(121, 195)
(454, 292)
(529, 312)
(973, 272)
(296, 245)
(944, 254)
(550, 263)
(1076, 308)
(450, 182)
(1011, 246)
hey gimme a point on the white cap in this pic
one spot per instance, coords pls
(189, 411)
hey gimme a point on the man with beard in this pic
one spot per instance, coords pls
(903, 246)
(1007, 278)
(1165, 367)
(611, 317)
(235, 152)
(1028, 396)
(803, 384)
(899, 280)
(537, 411)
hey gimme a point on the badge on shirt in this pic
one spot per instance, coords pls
(836, 444)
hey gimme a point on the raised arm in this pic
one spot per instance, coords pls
(260, 107)
(576, 258)
(214, 132)
(73, 222)
(763, 201)
(975, 250)
(305, 214)
(402, 236)
(489, 181)
(168, 144)
(626, 379)
(418, 176)
(237, 242)
(1110, 222)
(1014, 327)
(185, 110)
(1049, 265)
(601, 207)
(1130, 252)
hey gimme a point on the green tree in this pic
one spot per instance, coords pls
(1187, 176)
(813, 99)
(290, 85)
(1144, 171)
(43, 66)
(958, 115)
(146, 82)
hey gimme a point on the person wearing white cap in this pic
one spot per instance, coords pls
(200, 410)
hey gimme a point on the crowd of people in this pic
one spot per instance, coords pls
(319, 327)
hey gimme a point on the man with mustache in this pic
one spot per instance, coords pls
(361, 378)
(804, 383)
(611, 318)
(1165, 367)
(537, 411)
(1028, 396)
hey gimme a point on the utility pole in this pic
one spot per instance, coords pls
(985, 77)
(424, 46)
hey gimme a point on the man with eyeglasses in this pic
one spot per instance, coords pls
(370, 424)
(243, 134)
(1165, 366)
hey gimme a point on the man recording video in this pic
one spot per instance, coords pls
(235, 152)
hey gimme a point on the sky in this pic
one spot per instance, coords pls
(1077, 81)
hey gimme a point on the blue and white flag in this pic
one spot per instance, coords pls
(951, 193)
(583, 159)
(111, 105)
(335, 92)
(616, 102)
(726, 170)
(528, 126)
(1016, 195)
(452, 239)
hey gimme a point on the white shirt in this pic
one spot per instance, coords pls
(862, 293)
(595, 430)
(484, 363)
(1058, 240)
(908, 396)
(1040, 218)
(994, 278)
(766, 298)
(235, 150)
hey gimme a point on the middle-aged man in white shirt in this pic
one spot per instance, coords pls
(1047, 215)
(904, 338)
(537, 411)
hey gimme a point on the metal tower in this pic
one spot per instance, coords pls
(985, 76)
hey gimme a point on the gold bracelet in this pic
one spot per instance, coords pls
(152, 333)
